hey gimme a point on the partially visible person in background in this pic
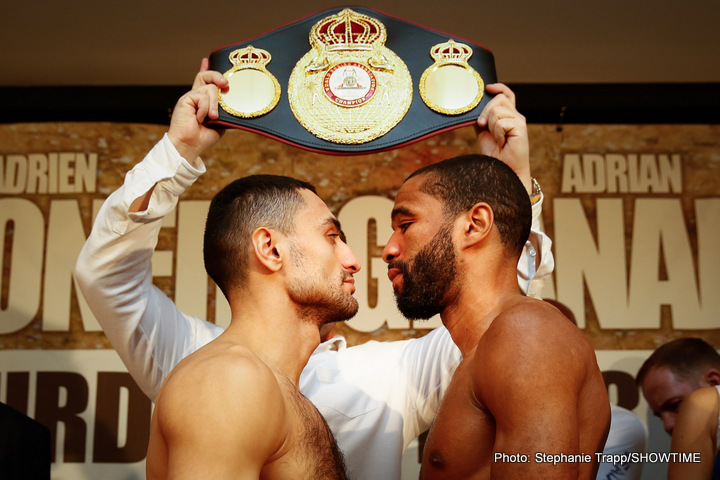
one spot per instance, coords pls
(681, 383)
(24, 446)
(674, 371)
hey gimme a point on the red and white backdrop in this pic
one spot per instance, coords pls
(633, 211)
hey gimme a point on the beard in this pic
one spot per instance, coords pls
(428, 279)
(320, 300)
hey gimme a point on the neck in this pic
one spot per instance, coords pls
(474, 308)
(272, 330)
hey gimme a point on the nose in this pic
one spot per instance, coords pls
(349, 260)
(391, 250)
(669, 422)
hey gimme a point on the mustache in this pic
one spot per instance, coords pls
(400, 265)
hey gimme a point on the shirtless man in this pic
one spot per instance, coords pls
(529, 383)
(233, 408)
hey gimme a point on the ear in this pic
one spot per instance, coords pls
(265, 248)
(477, 224)
(712, 377)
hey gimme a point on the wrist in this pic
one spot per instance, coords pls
(525, 177)
(188, 152)
(536, 193)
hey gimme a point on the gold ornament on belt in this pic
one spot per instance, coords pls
(253, 91)
(450, 85)
(349, 88)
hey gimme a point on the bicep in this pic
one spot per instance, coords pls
(543, 427)
(531, 391)
(212, 448)
(533, 419)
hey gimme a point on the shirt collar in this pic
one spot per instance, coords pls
(334, 344)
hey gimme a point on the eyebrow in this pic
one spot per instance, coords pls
(332, 221)
(397, 211)
(670, 404)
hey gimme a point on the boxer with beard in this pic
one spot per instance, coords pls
(528, 399)
(419, 298)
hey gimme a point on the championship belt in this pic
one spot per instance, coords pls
(352, 80)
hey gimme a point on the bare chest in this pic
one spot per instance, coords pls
(461, 438)
(311, 450)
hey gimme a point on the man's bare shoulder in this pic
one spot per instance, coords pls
(220, 411)
(530, 335)
(219, 364)
(534, 372)
(529, 320)
(227, 383)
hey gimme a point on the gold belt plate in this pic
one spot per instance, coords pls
(349, 88)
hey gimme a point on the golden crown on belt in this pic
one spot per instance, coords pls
(347, 30)
(451, 52)
(250, 56)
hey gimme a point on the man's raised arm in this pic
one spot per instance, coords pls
(502, 134)
(114, 269)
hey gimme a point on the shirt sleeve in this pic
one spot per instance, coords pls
(114, 272)
(531, 274)
(628, 435)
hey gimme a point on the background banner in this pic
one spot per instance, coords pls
(633, 211)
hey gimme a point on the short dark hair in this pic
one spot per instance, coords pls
(464, 181)
(236, 211)
(687, 358)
